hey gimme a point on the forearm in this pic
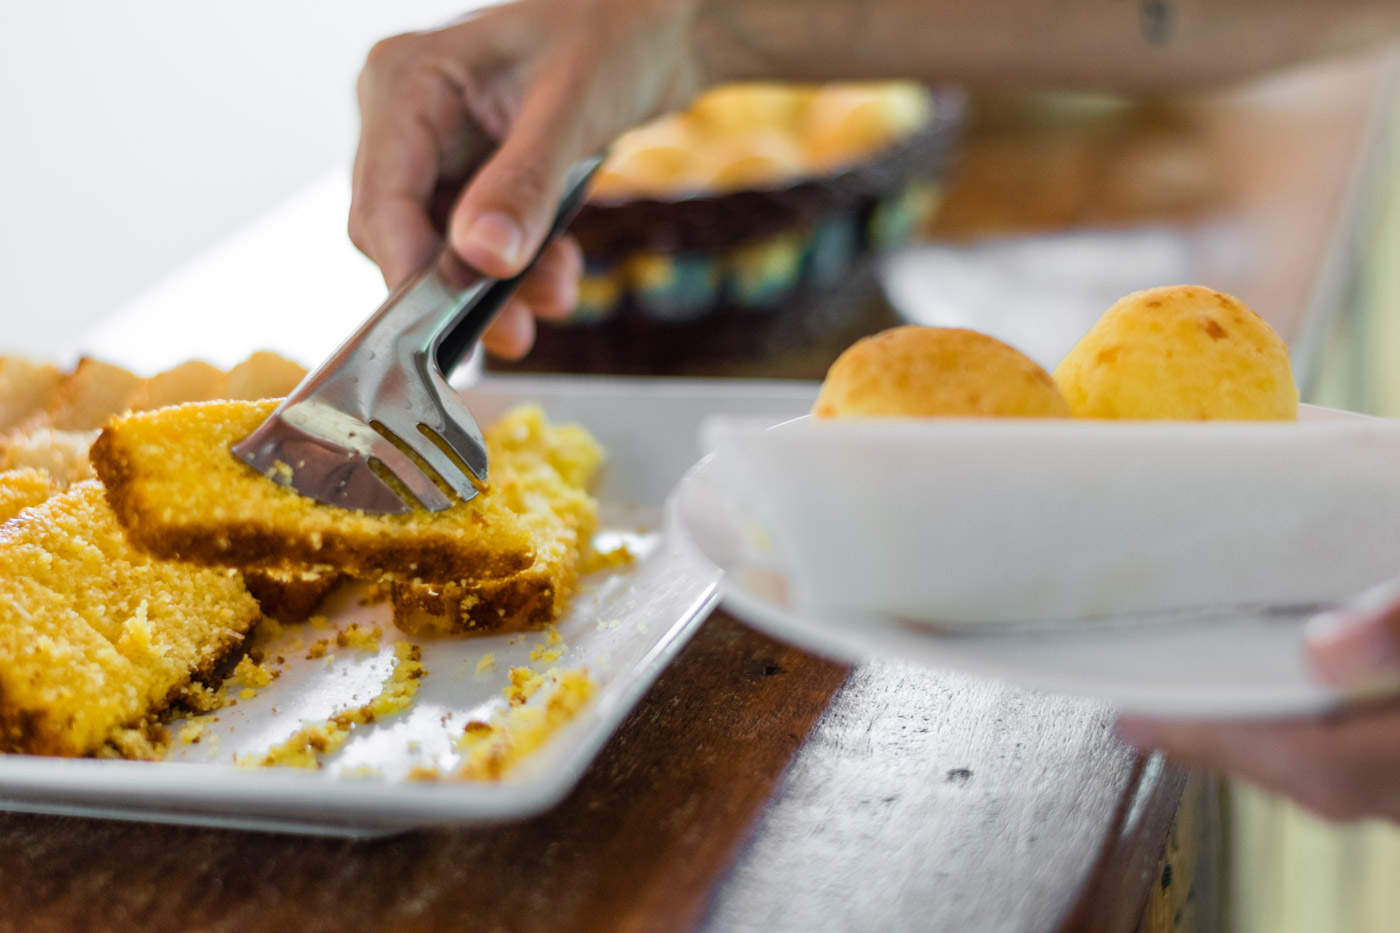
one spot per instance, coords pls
(1117, 45)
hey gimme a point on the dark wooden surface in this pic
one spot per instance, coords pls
(757, 787)
(637, 847)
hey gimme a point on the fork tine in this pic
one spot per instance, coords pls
(406, 433)
(410, 474)
(456, 426)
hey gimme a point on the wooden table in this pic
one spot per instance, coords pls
(758, 787)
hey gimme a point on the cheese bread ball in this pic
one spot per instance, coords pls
(754, 159)
(926, 372)
(1180, 352)
(650, 160)
(847, 122)
(737, 108)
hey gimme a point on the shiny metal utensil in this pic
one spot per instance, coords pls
(376, 426)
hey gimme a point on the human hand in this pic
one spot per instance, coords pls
(510, 97)
(1341, 766)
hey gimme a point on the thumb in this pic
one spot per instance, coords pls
(1357, 646)
(503, 216)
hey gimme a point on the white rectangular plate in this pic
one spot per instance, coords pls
(624, 626)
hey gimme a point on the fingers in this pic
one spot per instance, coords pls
(1341, 768)
(551, 288)
(510, 203)
(1357, 647)
(409, 117)
(512, 332)
(549, 291)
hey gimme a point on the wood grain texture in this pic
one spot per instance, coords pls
(1186, 895)
(637, 847)
(932, 800)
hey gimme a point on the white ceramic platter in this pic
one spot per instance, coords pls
(624, 626)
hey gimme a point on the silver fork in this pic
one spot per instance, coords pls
(362, 430)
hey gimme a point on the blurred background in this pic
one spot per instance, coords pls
(138, 134)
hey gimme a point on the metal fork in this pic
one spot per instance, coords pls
(376, 426)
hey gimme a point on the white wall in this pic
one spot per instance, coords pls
(135, 134)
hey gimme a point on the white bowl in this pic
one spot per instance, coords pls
(965, 522)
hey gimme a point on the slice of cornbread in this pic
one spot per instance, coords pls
(263, 375)
(181, 494)
(85, 398)
(19, 489)
(542, 471)
(61, 454)
(25, 386)
(96, 637)
(192, 381)
(290, 595)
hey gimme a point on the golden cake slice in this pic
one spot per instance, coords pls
(192, 381)
(542, 471)
(85, 398)
(290, 595)
(61, 454)
(19, 489)
(181, 494)
(263, 375)
(96, 637)
(25, 387)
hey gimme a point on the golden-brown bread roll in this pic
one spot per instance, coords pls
(922, 372)
(1180, 352)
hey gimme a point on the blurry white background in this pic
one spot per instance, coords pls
(138, 134)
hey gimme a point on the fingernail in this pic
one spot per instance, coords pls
(494, 234)
(1354, 650)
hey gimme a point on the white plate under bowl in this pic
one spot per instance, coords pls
(625, 626)
(1242, 667)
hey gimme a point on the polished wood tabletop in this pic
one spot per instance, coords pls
(760, 787)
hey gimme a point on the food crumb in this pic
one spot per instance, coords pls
(361, 771)
(250, 674)
(359, 637)
(193, 730)
(490, 749)
(620, 556)
(309, 745)
(523, 684)
(486, 663)
(545, 655)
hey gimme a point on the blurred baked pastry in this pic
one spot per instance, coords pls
(61, 454)
(1182, 352)
(846, 123)
(761, 135)
(25, 387)
(923, 372)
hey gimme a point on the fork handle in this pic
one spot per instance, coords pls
(471, 322)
